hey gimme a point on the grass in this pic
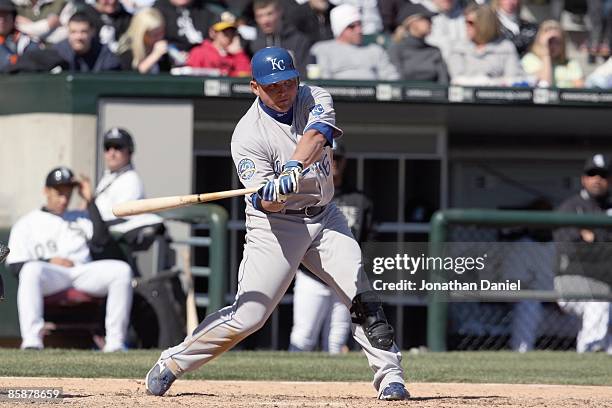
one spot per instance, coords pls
(473, 367)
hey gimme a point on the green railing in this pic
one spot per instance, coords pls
(437, 315)
(216, 218)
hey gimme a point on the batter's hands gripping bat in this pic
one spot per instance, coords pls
(166, 203)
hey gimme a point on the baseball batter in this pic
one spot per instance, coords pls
(283, 144)
(49, 251)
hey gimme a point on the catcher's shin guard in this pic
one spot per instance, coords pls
(367, 311)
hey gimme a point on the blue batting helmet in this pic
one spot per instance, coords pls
(272, 64)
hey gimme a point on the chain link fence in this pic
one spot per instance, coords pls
(563, 302)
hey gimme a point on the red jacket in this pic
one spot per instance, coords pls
(206, 55)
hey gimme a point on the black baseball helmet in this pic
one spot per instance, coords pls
(118, 137)
(61, 176)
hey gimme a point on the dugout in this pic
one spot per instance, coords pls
(414, 148)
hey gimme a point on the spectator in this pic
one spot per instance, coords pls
(218, 52)
(583, 264)
(187, 22)
(82, 51)
(447, 27)
(44, 20)
(598, 12)
(317, 310)
(547, 61)
(121, 183)
(371, 21)
(134, 6)
(389, 10)
(601, 77)
(513, 27)
(50, 253)
(312, 19)
(13, 44)
(486, 58)
(110, 20)
(413, 58)
(143, 48)
(271, 32)
(345, 57)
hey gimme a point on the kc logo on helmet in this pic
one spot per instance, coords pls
(277, 65)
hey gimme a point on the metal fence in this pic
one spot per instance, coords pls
(518, 246)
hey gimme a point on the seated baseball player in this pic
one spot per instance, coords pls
(121, 183)
(50, 252)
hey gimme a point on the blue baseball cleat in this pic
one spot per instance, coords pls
(394, 392)
(159, 379)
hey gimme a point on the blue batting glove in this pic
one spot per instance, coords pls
(289, 179)
(269, 191)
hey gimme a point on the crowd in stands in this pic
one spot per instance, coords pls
(463, 42)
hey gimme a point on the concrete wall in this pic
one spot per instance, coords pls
(31, 145)
(163, 137)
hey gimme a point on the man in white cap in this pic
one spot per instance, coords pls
(345, 57)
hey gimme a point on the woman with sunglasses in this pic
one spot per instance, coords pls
(486, 58)
(414, 59)
(547, 61)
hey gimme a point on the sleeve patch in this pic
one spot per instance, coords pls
(246, 169)
(317, 110)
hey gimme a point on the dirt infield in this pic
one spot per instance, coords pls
(85, 392)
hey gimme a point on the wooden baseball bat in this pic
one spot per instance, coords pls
(165, 203)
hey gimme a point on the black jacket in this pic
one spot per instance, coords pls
(577, 257)
(188, 26)
(98, 59)
(417, 61)
(116, 24)
(313, 25)
(522, 41)
(291, 39)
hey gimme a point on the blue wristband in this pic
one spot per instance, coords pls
(325, 129)
(256, 202)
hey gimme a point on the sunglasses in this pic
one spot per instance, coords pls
(596, 172)
(113, 146)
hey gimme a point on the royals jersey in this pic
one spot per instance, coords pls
(41, 235)
(261, 145)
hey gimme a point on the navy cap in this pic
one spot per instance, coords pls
(598, 162)
(118, 137)
(7, 5)
(413, 10)
(60, 176)
(273, 64)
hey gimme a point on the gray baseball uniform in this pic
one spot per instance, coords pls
(276, 243)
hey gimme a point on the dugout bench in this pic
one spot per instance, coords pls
(76, 319)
